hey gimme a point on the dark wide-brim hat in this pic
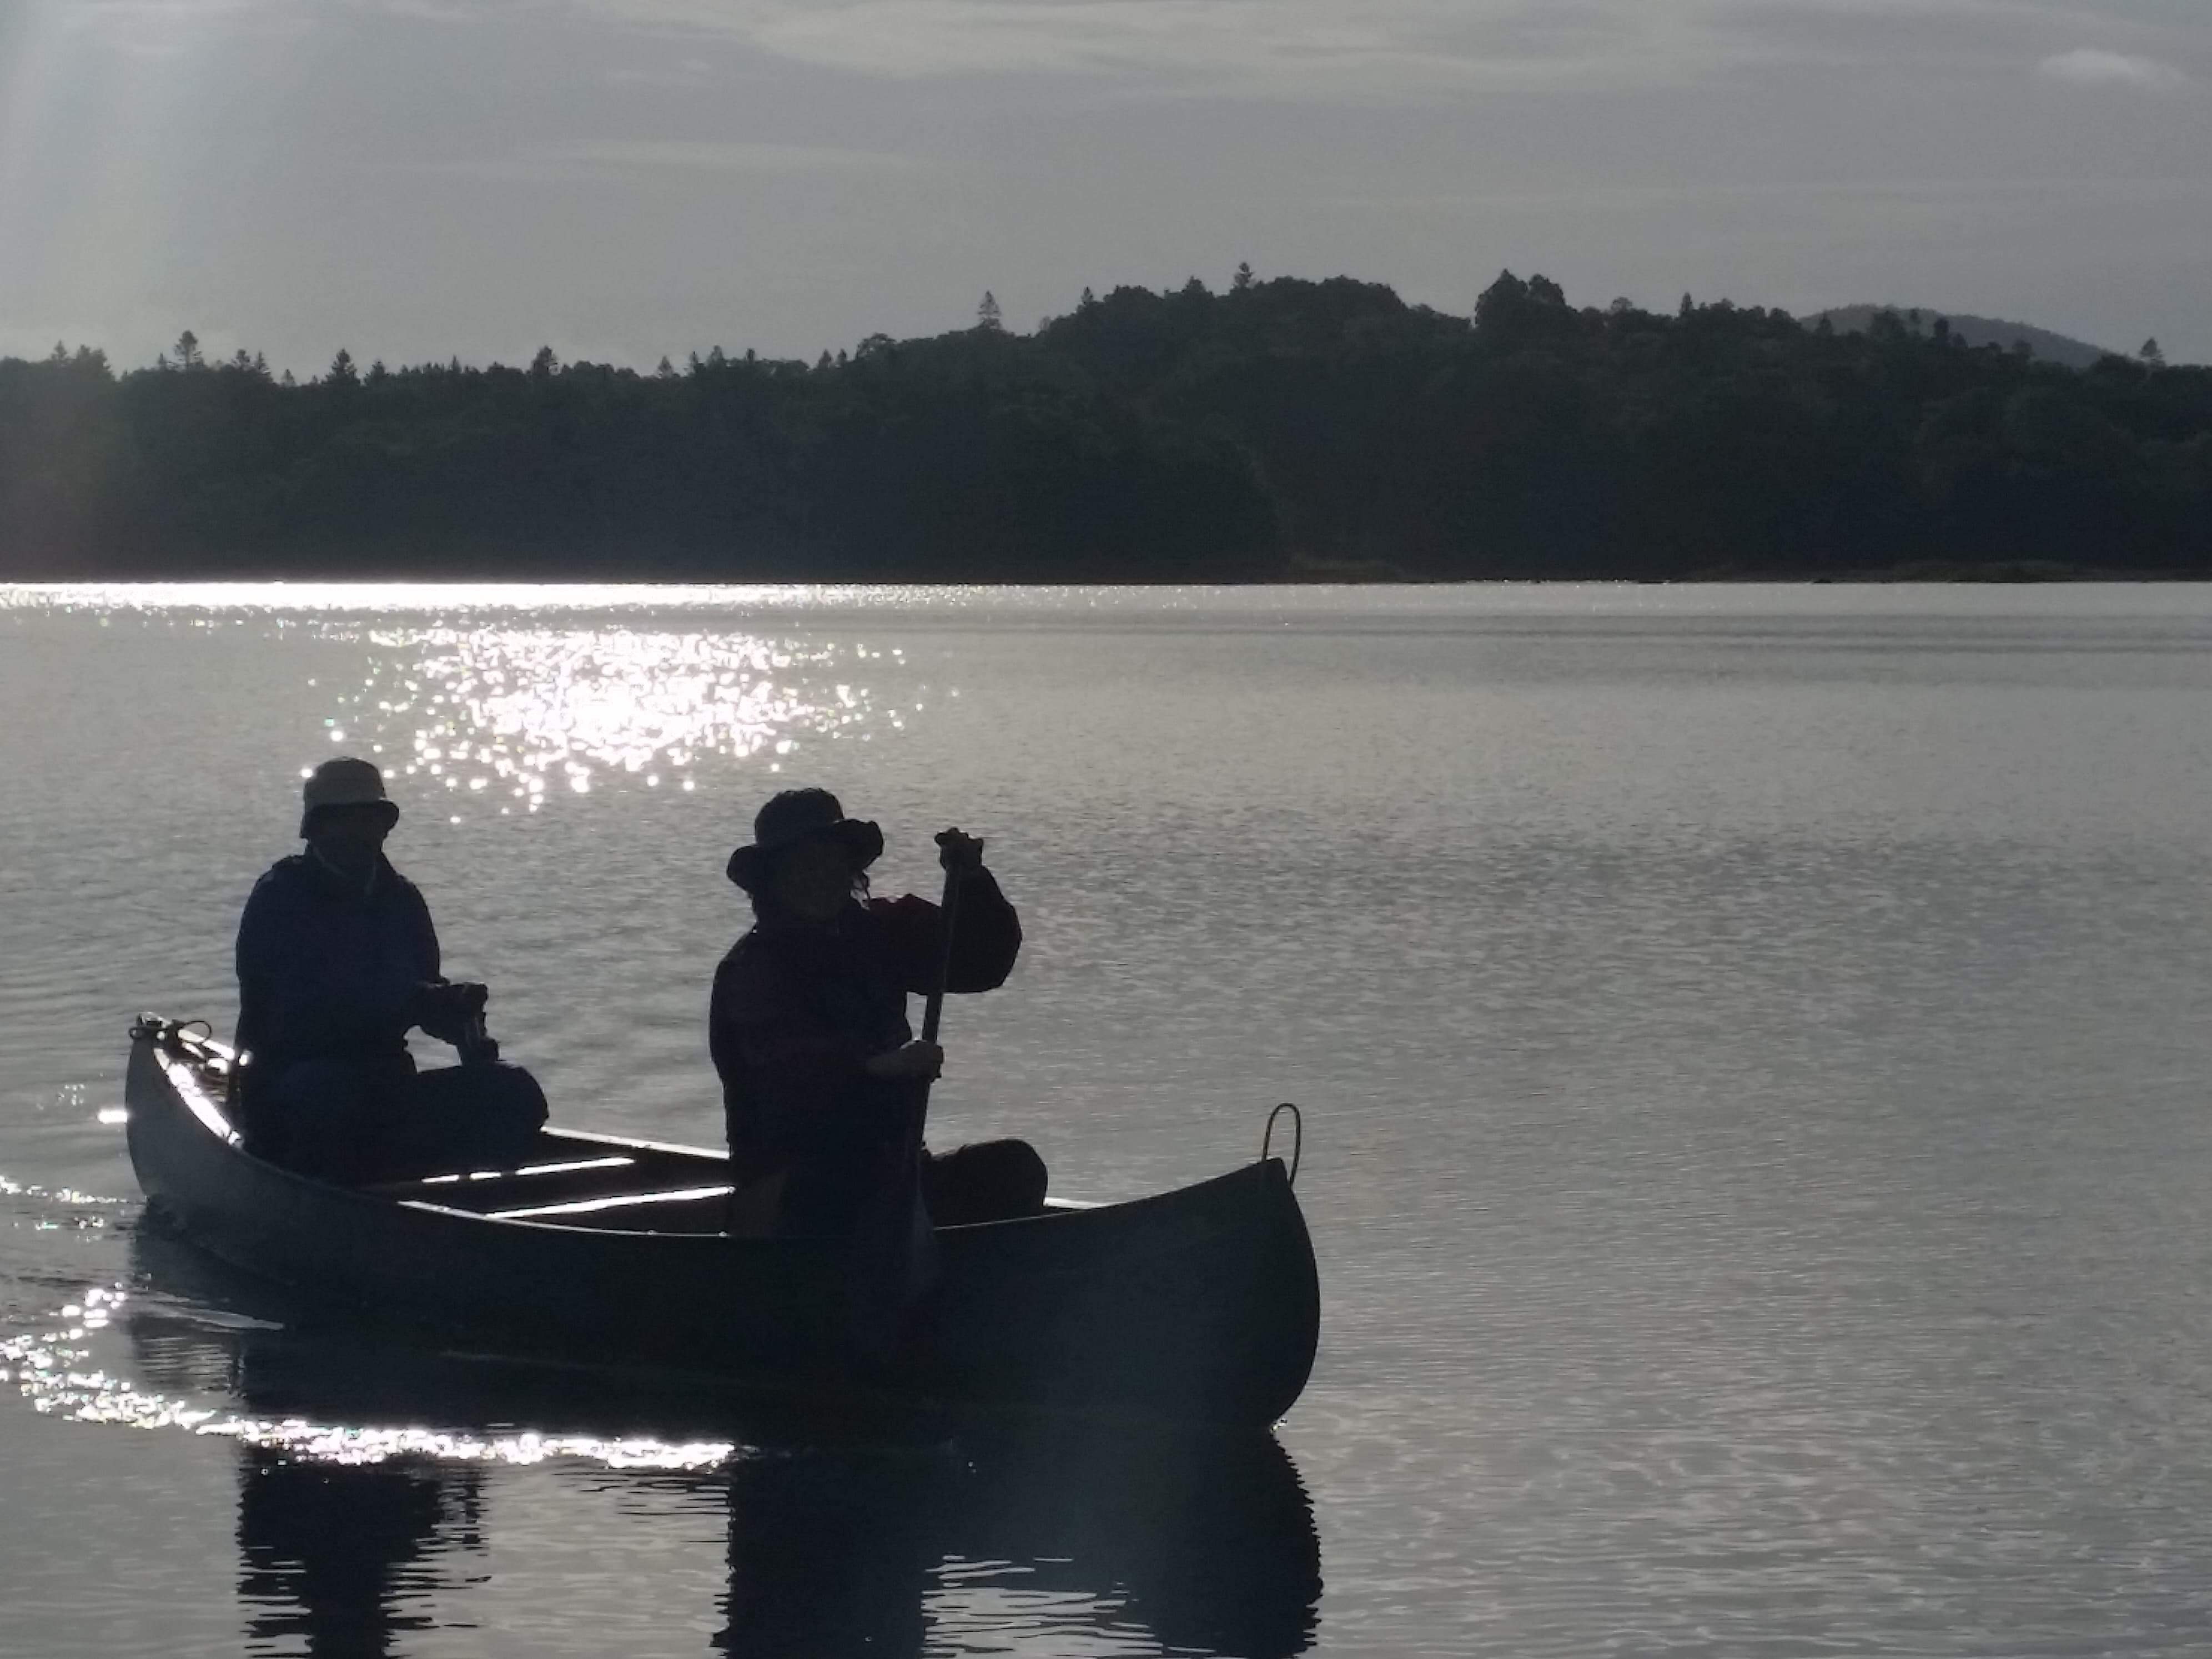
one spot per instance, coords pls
(798, 815)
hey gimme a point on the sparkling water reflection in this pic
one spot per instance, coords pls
(58, 1370)
(510, 718)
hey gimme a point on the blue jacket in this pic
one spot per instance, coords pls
(328, 971)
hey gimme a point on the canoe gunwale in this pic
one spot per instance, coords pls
(184, 1081)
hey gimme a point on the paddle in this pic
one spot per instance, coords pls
(897, 1264)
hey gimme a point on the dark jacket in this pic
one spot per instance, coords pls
(326, 971)
(797, 1011)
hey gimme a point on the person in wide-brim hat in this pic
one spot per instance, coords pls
(808, 1025)
(797, 816)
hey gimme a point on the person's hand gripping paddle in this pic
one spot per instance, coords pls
(896, 1265)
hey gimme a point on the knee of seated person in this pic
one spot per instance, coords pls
(1020, 1173)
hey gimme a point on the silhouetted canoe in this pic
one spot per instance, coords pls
(1199, 1304)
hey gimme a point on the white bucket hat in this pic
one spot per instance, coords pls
(343, 781)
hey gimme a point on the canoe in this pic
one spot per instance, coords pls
(1201, 1304)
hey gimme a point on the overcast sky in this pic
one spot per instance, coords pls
(420, 179)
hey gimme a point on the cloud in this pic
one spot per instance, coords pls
(2090, 68)
(159, 11)
(688, 72)
(1300, 45)
(168, 28)
(1416, 49)
(553, 163)
(1425, 48)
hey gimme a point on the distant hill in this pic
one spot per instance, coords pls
(1973, 331)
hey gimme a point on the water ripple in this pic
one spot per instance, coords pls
(55, 1368)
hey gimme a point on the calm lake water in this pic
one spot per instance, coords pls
(1753, 1043)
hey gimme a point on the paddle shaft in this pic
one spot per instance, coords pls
(950, 910)
(933, 1011)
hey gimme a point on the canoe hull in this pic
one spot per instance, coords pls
(1199, 1304)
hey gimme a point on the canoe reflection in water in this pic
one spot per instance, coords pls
(342, 1554)
(1210, 1550)
(926, 1535)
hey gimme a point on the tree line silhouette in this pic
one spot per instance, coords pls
(1281, 428)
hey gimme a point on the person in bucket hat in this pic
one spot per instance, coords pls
(341, 783)
(808, 1027)
(338, 961)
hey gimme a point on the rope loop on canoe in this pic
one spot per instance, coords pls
(173, 1035)
(1297, 1137)
(178, 1037)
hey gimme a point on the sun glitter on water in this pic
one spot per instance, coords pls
(515, 719)
(508, 700)
(55, 1368)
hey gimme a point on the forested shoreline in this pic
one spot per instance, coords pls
(1278, 430)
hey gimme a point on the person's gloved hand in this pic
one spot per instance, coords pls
(959, 851)
(914, 1060)
(446, 1011)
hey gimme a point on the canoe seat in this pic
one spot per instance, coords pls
(477, 1189)
(677, 1210)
